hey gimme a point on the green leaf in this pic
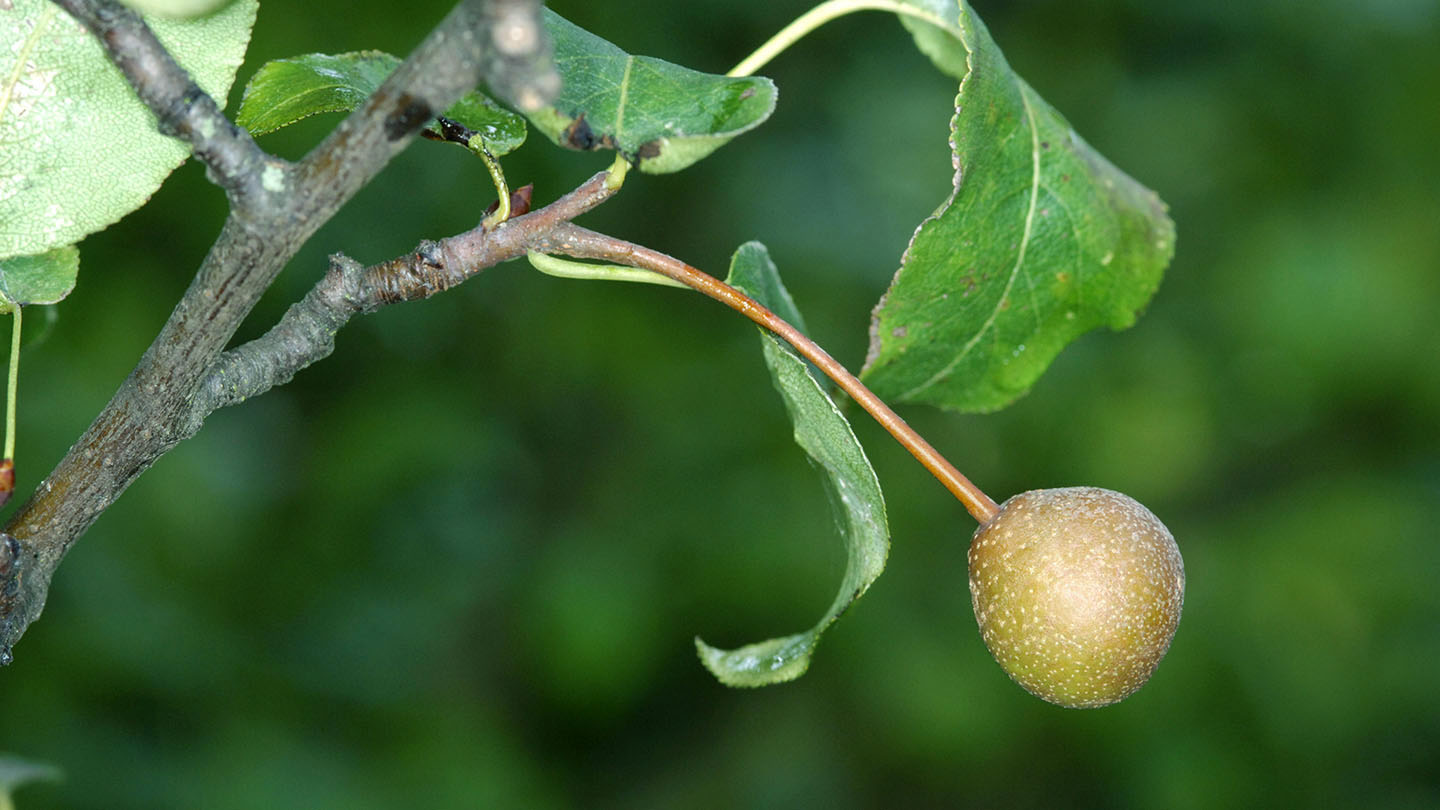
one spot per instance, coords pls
(287, 90)
(16, 772)
(78, 150)
(1042, 240)
(854, 491)
(660, 116)
(42, 279)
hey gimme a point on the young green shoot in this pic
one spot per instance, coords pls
(564, 268)
(615, 178)
(7, 462)
(455, 132)
(816, 17)
(12, 382)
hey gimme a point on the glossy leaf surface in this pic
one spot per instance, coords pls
(287, 90)
(1042, 239)
(68, 118)
(42, 279)
(661, 116)
(823, 432)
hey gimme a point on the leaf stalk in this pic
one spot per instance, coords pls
(816, 17)
(12, 382)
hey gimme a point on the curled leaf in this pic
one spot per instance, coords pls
(823, 432)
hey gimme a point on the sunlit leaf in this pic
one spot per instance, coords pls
(854, 491)
(42, 279)
(287, 90)
(1043, 239)
(78, 150)
(662, 116)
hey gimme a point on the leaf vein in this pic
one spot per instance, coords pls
(1025, 237)
(624, 94)
(24, 56)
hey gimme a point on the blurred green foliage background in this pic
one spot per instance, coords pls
(461, 562)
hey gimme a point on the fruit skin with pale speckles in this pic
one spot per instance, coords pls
(1077, 592)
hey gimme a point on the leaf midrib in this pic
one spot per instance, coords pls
(8, 90)
(624, 98)
(302, 97)
(1019, 255)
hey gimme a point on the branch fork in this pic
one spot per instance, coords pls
(275, 207)
(187, 373)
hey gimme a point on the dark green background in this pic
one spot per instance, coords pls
(460, 563)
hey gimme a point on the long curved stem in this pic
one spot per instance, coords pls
(7, 461)
(14, 380)
(816, 17)
(575, 241)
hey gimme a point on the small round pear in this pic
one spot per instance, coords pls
(1077, 592)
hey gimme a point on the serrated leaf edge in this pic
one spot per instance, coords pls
(1025, 238)
(292, 60)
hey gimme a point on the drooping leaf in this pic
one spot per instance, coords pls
(287, 90)
(1042, 239)
(822, 431)
(78, 150)
(661, 116)
(42, 279)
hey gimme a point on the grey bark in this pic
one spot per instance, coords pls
(306, 332)
(275, 206)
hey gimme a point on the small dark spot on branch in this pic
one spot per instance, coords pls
(410, 116)
(9, 585)
(192, 94)
(429, 254)
(9, 564)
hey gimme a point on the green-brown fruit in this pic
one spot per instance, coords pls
(1077, 592)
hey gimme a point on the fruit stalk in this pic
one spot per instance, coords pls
(581, 243)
